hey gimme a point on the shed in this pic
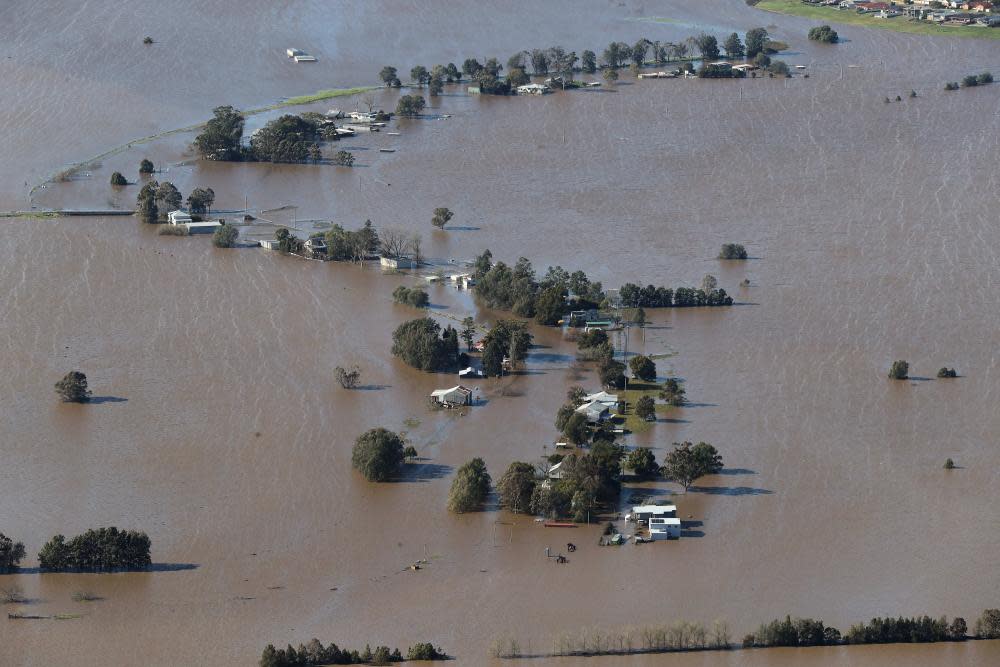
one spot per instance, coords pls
(556, 471)
(594, 411)
(268, 244)
(206, 227)
(457, 395)
(396, 262)
(470, 372)
(179, 217)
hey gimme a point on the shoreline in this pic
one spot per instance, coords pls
(896, 24)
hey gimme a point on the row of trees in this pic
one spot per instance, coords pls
(507, 338)
(101, 550)
(315, 653)
(156, 199)
(11, 554)
(288, 138)
(634, 296)
(971, 81)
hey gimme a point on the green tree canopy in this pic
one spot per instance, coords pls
(708, 45)
(900, 370)
(118, 180)
(73, 388)
(421, 344)
(588, 62)
(470, 487)
(824, 33)
(389, 76)
(441, 217)
(101, 550)
(11, 554)
(642, 462)
(288, 138)
(146, 167)
(200, 200)
(756, 41)
(225, 236)
(645, 408)
(575, 429)
(612, 373)
(220, 139)
(168, 197)
(410, 105)
(516, 486)
(733, 46)
(378, 454)
(687, 463)
(643, 367)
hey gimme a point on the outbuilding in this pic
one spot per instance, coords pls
(457, 395)
(594, 411)
(665, 529)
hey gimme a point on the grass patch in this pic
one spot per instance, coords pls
(323, 95)
(636, 390)
(172, 230)
(898, 23)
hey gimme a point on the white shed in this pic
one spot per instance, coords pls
(457, 395)
(179, 217)
(665, 529)
(648, 512)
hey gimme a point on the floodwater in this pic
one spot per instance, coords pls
(220, 430)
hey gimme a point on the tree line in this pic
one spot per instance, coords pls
(559, 292)
(156, 199)
(314, 654)
(563, 65)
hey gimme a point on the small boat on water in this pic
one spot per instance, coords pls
(387, 150)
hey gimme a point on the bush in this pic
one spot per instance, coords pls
(425, 651)
(673, 393)
(945, 372)
(343, 159)
(146, 167)
(348, 379)
(984, 78)
(470, 487)
(899, 370)
(11, 554)
(949, 464)
(732, 251)
(73, 388)
(118, 179)
(970, 81)
(378, 454)
(824, 33)
(410, 105)
(225, 236)
(101, 550)
(953, 85)
(415, 297)
(172, 230)
(779, 68)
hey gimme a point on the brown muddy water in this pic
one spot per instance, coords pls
(220, 430)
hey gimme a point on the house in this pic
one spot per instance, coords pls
(470, 372)
(664, 529)
(594, 411)
(647, 512)
(978, 6)
(179, 217)
(603, 397)
(873, 6)
(533, 89)
(457, 395)
(556, 471)
(396, 262)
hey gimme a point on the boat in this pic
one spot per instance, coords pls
(304, 59)
(559, 524)
(387, 150)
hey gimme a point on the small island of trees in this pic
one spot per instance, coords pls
(470, 487)
(732, 251)
(825, 34)
(900, 370)
(314, 654)
(101, 550)
(421, 344)
(118, 180)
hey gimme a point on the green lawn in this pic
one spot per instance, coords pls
(899, 23)
(637, 390)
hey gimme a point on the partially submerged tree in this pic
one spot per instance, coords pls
(200, 200)
(11, 554)
(687, 463)
(410, 105)
(73, 388)
(899, 370)
(732, 251)
(516, 486)
(146, 167)
(643, 367)
(118, 180)
(441, 217)
(220, 139)
(225, 236)
(642, 463)
(422, 344)
(389, 77)
(348, 378)
(378, 454)
(645, 408)
(673, 393)
(470, 487)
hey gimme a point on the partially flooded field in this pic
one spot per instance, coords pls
(222, 433)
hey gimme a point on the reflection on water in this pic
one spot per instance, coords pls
(223, 434)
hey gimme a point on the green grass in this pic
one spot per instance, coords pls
(321, 95)
(898, 23)
(637, 390)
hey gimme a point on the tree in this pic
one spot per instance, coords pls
(145, 167)
(617, 54)
(415, 297)
(425, 651)
(708, 45)
(468, 333)
(899, 370)
(685, 463)
(643, 367)
(493, 66)
(733, 46)
(549, 501)
(117, 179)
(225, 236)
(419, 344)
(101, 550)
(673, 393)
(958, 629)
(550, 306)
(516, 486)
(145, 203)
(220, 139)
(642, 462)
(988, 624)
(946, 372)
(453, 72)
(824, 33)
(639, 50)
(471, 67)
(441, 217)
(493, 355)
(645, 408)
(73, 388)
(168, 197)
(612, 373)
(200, 200)
(588, 62)
(610, 75)
(575, 429)
(11, 554)
(410, 453)
(410, 105)
(470, 487)
(732, 251)
(288, 243)
(984, 78)
(516, 61)
(756, 41)
(517, 77)
(378, 454)
(539, 62)
(287, 138)
(389, 77)
(779, 68)
(348, 379)
(343, 159)
(420, 75)
(435, 86)
(709, 283)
